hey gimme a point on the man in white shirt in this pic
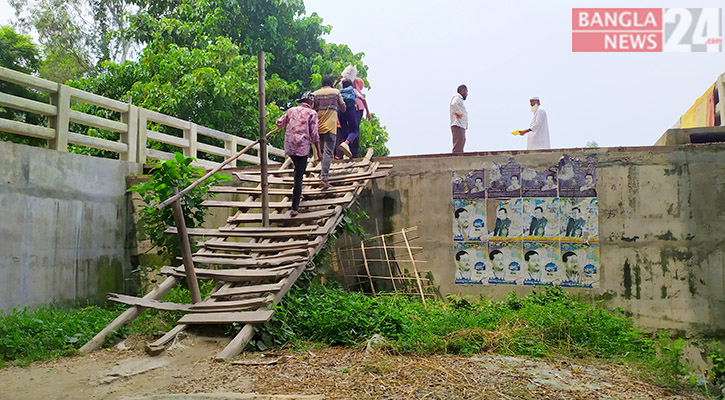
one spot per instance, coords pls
(459, 119)
(538, 131)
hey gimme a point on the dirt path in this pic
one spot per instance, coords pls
(329, 373)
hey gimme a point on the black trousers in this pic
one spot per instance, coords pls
(300, 169)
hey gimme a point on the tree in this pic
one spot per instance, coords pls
(592, 144)
(19, 53)
(72, 43)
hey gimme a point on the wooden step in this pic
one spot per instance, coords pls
(234, 232)
(230, 275)
(303, 216)
(282, 192)
(257, 247)
(280, 204)
(247, 262)
(338, 165)
(245, 317)
(214, 304)
(240, 290)
(147, 303)
(333, 179)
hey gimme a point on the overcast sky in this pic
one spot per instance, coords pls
(505, 52)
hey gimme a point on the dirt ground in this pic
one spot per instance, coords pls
(188, 367)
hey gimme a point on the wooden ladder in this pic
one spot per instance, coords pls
(254, 266)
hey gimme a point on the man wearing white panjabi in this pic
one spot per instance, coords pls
(538, 131)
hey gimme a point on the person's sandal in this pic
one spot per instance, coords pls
(293, 213)
(345, 148)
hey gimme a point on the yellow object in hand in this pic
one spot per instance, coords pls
(517, 133)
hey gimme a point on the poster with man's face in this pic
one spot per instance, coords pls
(469, 220)
(541, 266)
(469, 185)
(504, 265)
(505, 180)
(580, 265)
(539, 183)
(471, 262)
(541, 218)
(577, 179)
(579, 219)
(504, 219)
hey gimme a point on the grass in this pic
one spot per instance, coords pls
(542, 324)
(49, 332)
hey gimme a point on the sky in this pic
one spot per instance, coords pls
(418, 52)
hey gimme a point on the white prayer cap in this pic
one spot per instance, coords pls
(535, 98)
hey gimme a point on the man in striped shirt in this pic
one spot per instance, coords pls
(327, 102)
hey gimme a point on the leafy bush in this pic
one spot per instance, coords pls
(166, 176)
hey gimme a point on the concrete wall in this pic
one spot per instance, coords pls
(66, 227)
(661, 226)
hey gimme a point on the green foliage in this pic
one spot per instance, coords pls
(48, 332)
(200, 64)
(541, 324)
(18, 52)
(717, 373)
(176, 173)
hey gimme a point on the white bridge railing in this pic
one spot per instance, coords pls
(132, 126)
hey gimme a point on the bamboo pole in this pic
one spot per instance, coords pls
(387, 261)
(262, 138)
(411, 229)
(415, 269)
(185, 248)
(367, 269)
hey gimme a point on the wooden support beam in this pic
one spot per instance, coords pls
(262, 105)
(128, 315)
(191, 280)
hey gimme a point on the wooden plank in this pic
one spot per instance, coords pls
(282, 216)
(247, 317)
(247, 332)
(97, 143)
(229, 275)
(21, 128)
(97, 122)
(255, 301)
(253, 246)
(128, 315)
(279, 204)
(282, 192)
(23, 104)
(247, 261)
(148, 303)
(317, 168)
(235, 291)
(308, 180)
(250, 234)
